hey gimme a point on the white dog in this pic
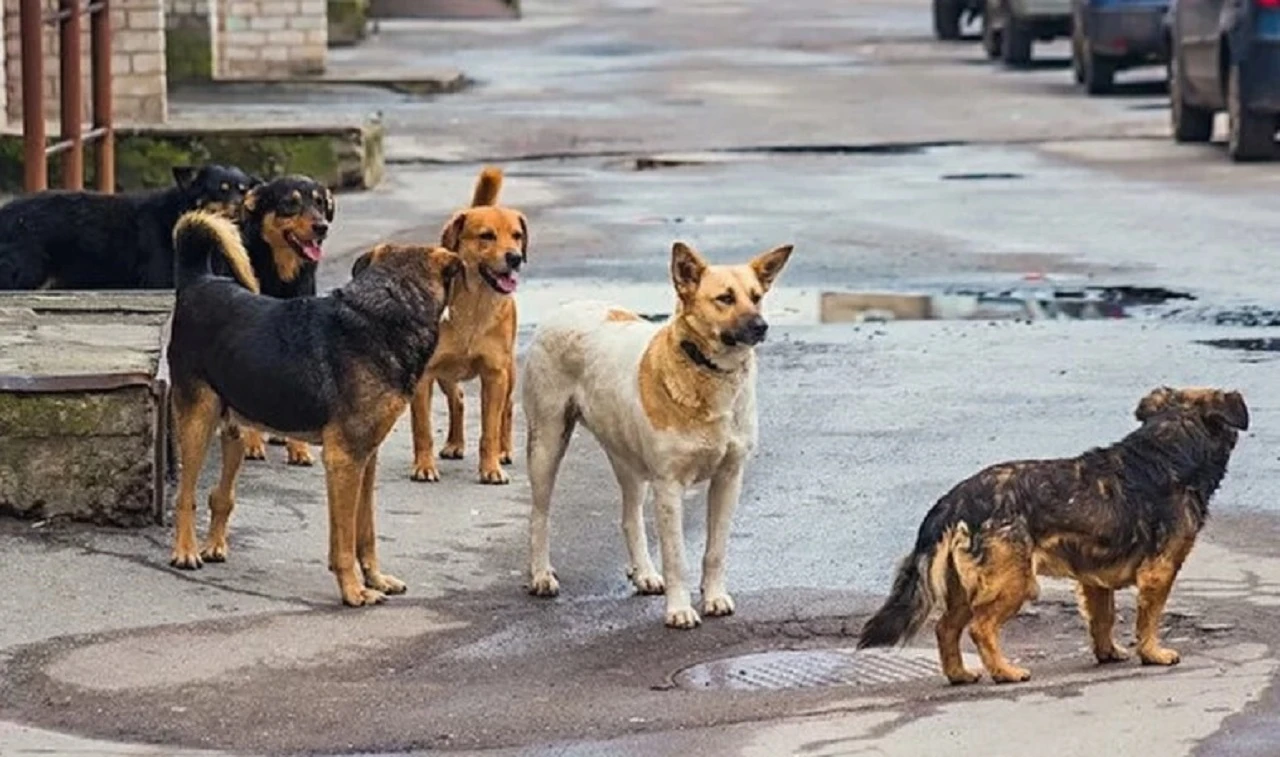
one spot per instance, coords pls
(672, 405)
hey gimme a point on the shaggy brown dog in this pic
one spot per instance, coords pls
(1111, 518)
(479, 336)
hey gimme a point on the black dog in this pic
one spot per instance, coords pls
(87, 240)
(336, 370)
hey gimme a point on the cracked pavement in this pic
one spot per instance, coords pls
(894, 163)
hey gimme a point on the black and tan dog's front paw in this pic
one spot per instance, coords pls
(299, 453)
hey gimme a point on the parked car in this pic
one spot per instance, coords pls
(1108, 36)
(1009, 27)
(1225, 55)
(949, 16)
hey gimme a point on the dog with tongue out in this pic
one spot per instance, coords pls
(477, 335)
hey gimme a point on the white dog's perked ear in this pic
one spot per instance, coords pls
(687, 267)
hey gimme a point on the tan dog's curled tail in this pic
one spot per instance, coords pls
(197, 237)
(488, 187)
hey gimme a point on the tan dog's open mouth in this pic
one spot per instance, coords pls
(505, 282)
(307, 248)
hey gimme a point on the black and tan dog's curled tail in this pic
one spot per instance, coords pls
(488, 187)
(919, 585)
(198, 237)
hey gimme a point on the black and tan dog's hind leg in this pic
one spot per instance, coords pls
(196, 413)
(222, 500)
(1098, 607)
(996, 585)
(367, 537)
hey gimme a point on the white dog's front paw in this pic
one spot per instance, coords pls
(683, 617)
(717, 605)
(544, 584)
(647, 582)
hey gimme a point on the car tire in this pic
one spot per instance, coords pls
(1190, 123)
(946, 19)
(992, 39)
(1251, 136)
(1099, 73)
(1015, 48)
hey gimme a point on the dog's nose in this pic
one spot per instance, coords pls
(514, 259)
(756, 329)
(320, 228)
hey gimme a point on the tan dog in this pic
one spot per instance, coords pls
(672, 405)
(478, 337)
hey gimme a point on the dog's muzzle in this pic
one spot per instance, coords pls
(749, 333)
(514, 259)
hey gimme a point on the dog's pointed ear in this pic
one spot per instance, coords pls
(365, 259)
(1156, 400)
(769, 264)
(330, 206)
(1229, 408)
(451, 237)
(524, 239)
(184, 175)
(687, 267)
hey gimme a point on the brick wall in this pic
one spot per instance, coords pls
(137, 62)
(269, 39)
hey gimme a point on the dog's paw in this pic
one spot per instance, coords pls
(494, 476)
(1159, 656)
(544, 584)
(717, 605)
(214, 551)
(300, 454)
(451, 452)
(963, 677)
(361, 596)
(683, 617)
(255, 449)
(1011, 674)
(647, 582)
(425, 473)
(505, 459)
(1114, 654)
(385, 583)
(185, 559)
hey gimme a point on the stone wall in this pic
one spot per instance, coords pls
(269, 39)
(137, 61)
(188, 54)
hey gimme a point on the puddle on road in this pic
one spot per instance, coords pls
(1253, 350)
(984, 176)
(1030, 303)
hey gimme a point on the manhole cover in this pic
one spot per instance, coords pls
(769, 671)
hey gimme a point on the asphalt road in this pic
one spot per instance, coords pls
(893, 163)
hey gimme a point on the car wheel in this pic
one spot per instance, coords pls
(1016, 47)
(1190, 124)
(946, 19)
(1251, 136)
(1099, 73)
(992, 39)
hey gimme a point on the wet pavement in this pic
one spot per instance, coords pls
(897, 166)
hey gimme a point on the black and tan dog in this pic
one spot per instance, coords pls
(1114, 517)
(336, 370)
(479, 337)
(283, 225)
(87, 240)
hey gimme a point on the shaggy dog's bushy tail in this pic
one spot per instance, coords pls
(921, 582)
(198, 238)
(488, 187)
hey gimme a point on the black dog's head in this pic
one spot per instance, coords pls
(292, 215)
(214, 188)
(1213, 405)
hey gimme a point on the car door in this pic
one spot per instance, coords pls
(1196, 29)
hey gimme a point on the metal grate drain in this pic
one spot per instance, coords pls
(768, 671)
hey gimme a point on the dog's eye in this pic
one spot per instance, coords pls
(241, 188)
(726, 299)
(517, 236)
(755, 298)
(489, 236)
(226, 187)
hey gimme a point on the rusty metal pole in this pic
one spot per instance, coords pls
(100, 44)
(72, 94)
(35, 169)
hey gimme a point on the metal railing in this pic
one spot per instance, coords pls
(36, 153)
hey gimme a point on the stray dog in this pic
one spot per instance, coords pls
(672, 405)
(336, 370)
(283, 225)
(479, 336)
(1113, 517)
(87, 240)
